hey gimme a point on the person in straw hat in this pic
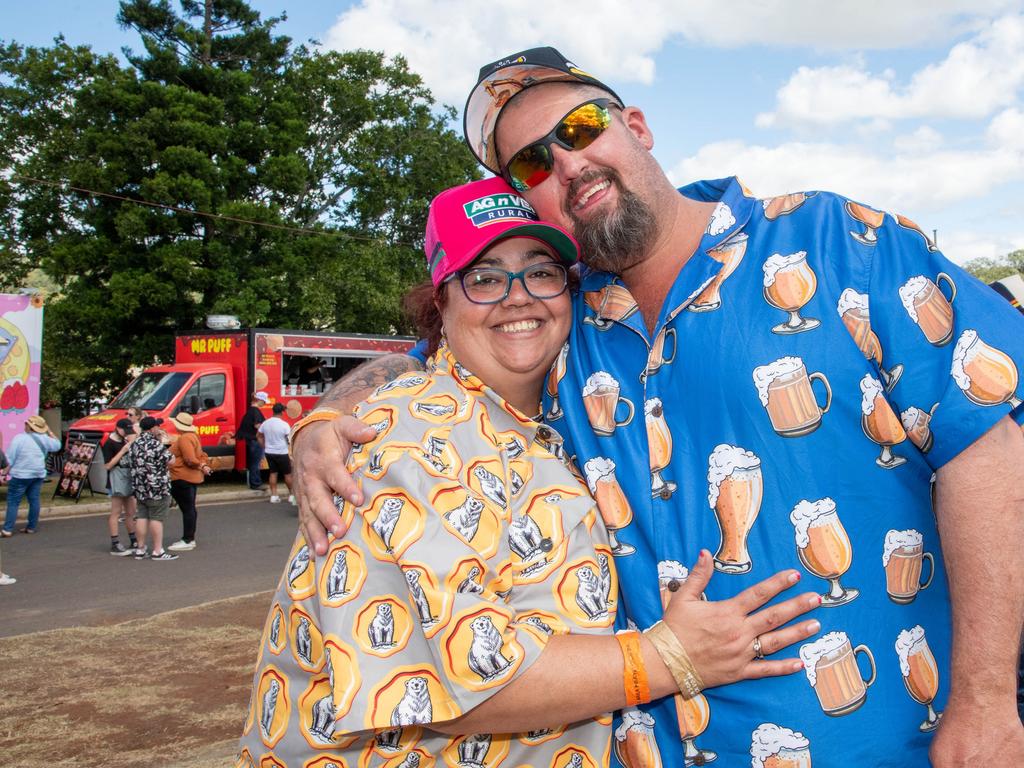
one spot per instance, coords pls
(27, 457)
(191, 466)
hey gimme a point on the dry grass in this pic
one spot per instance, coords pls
(169, 691)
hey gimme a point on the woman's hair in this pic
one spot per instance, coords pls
(420, 305)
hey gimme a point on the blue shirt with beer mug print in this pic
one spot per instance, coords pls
(814, 364)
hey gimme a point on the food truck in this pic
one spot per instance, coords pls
(215, 374)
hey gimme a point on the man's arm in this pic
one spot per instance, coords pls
(980, 511)
(320, 450)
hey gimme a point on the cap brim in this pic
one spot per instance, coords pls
(561, 242)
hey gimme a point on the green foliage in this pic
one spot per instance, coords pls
(989, 270)
(217, 115)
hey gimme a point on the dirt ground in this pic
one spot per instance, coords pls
(168, 691)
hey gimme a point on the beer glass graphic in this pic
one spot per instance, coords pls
(784, 204)
(929, 308)
(772, 746)
(906, 223)
(920, 672)
(729, 253)
(789, 283)
(659, 448)
(870, 218)
(657, 357)
(903, 557)
(986, 375)
(634, 742)
(555, 376)
(784, 388)
(612, 303)
(602, 401)
(611, 501)
(880, 423)
(735, 488)
(830, 663)
(917, 425)
(823, 547)
(853, 310)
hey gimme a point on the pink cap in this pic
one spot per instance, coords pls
(465, 221)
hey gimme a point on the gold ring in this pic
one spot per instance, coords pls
(757, 649)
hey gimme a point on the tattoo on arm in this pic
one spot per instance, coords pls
(358, 383)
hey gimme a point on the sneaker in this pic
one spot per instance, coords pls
(182, 546)
(119, 550)
(140, 553)
(28, 530)
(275, 499)
(291, 500)
(6, 580)
(165, 555)
(5, 533)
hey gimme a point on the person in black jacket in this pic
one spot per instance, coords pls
(247, 430)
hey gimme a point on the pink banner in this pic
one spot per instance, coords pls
(21, 344)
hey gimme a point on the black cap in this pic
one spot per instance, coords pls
(148, 422)
(278, 408)
(501, 81)
(126, 424)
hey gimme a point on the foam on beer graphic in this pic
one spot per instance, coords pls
(853, 308)
(917, 424)
(880, 423)
(611, 501)
(735, 488)
(824, 547)
(903, 557)
(729, 253)
(634, 742)
(602, 401)
(920, 672)
(870, 218)
(789, 283)
(785, 390)
(929, 308)
(772, 746)
(659, 448)
(986, 375)
(830, 663)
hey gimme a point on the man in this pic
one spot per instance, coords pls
(247, 430)
(149, 462)
(273, 436)
(804, 365)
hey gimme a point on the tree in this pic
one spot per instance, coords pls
(989, 270)
(284, 185)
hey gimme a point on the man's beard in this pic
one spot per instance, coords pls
(619, 239)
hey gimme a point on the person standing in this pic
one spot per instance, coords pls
(273, 436)
(119, 482)
(190, 468)
(149, 461)
(27, 458)
(247, 430)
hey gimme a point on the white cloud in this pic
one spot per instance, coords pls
(975, 79)
(924, 139)
(963, 245)
(1007, 130)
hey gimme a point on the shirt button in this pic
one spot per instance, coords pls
(665, 493)
(673, 586)
(544, 433)
(546, 545)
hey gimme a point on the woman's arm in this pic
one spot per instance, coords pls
(117, 457)
(190, 452)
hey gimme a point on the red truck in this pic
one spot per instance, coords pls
(215, 374)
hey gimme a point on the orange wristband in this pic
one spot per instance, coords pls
(634, 675)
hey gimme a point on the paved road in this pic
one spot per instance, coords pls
(66, 577)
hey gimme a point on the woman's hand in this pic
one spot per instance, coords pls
(719, 635)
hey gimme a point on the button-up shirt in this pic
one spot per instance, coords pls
(148, 461)
(812, 366)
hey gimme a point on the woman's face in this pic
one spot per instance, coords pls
(510, 345)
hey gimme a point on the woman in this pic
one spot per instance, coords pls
(27, 458)
(190, 468)
(119, 481)
(475, 594)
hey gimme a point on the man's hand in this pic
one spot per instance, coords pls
(319, 453)
(963, 738)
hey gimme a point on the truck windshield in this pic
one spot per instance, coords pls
(151, 391)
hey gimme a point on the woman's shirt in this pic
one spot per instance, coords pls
(476, 543)
(190, 458)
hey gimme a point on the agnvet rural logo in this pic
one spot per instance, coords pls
(491, 209)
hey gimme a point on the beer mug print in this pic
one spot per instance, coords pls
(735, 488)
(920, 672)
(902, 558)
(729, 253)
(789, 283)
(634, 743)
(870, 218)
(772, 746)
(929, 308)
(611, 501)
(657, 356)
(986, 375)
(555, 376)
(830, 663)
(906, 223)
(784, 204)
(784, 388)
(917, 425)
(602, 401)
(824, 547)
(659, 448)
(853, 311)
(879, 422)
(613, 303)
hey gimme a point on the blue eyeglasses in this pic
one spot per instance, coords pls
(490, 285)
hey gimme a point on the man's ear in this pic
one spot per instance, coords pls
(636, 123)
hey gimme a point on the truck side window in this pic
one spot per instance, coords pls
(208, 391)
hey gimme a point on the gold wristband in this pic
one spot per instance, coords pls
(317, 414)
(676, 659)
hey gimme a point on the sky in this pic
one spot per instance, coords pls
(913, 106)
